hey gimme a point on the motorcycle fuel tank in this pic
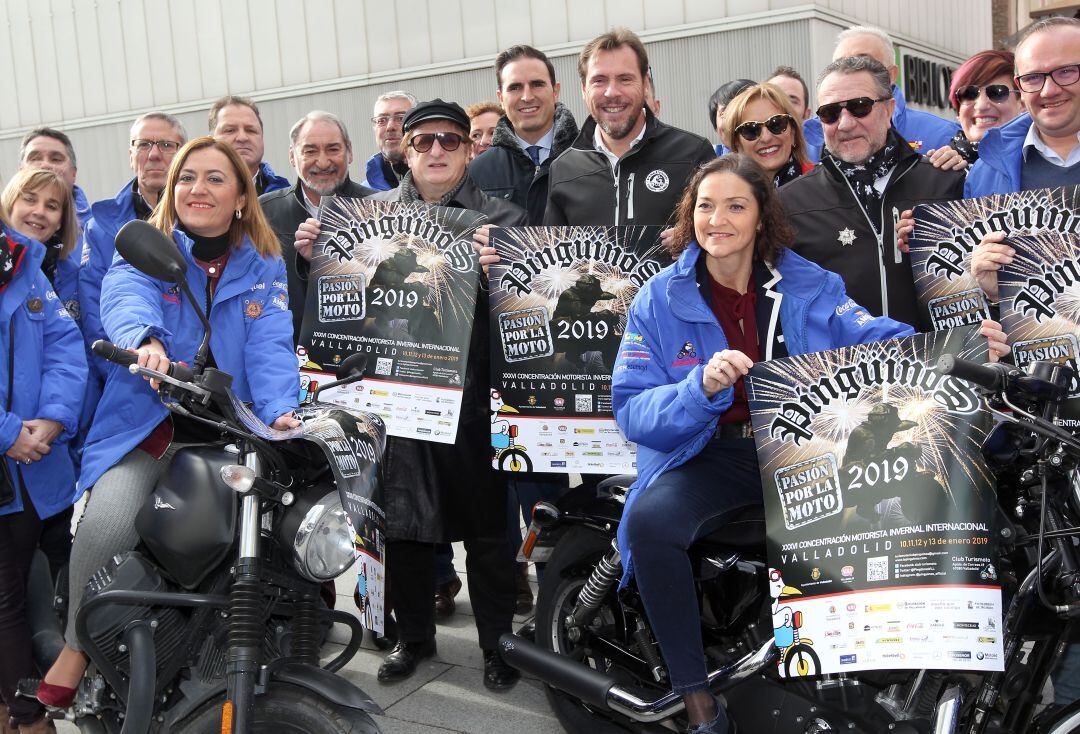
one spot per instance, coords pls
(188, 523)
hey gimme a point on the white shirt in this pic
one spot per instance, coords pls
(598, 143)
(545, 144)
(313, 209)
(1034, 140)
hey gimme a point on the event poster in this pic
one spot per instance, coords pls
(878, 508)
(1040, 306)
(559, 300)
(396, 282)
(947, 232)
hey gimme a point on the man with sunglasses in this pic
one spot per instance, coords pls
(845, 209)
(384, 169)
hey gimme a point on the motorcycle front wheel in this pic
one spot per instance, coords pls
(286, 709)
(574, 557)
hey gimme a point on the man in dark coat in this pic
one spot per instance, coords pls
(320, 152)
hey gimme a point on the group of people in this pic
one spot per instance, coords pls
(804, 216)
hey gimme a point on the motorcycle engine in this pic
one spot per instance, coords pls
(106, 624)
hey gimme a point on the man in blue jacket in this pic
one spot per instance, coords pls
(237, 121)
(383, 171)
(923, 130)
(49, 148)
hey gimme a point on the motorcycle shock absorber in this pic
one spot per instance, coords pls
(599, 582)
(305, 635)
(647, 646)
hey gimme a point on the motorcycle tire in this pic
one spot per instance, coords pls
(573, 559)
(515, 460)
(286, 709)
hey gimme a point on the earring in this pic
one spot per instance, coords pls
(238, 215)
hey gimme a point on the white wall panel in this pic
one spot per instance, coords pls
(10, 112)
(349, 37)
(629, 14)
(481, 30)
(550, 24)
(382, 35)
(291, 22)
(415, 28)
(69, 88)
(239, 50)
(586, 20)
(42, 35)
(27, 88)
(453, 38)
(210, 48)
(113, 59)
(163, 68)
(136, 55)
(266, 46)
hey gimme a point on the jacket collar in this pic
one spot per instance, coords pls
(566, 130)
(899, 115)
(239, 274)
(23, 281)
(1002, 148)
(771, 290)
(119, 209)
(685, 299)
(653, 127)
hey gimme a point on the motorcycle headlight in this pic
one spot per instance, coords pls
(323, 543)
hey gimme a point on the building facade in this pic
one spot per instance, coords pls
(90, 67)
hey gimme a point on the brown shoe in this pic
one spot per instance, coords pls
(43, 725)
(444, 598)
(524, 591)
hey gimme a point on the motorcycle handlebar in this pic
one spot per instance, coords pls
(988, 376)
(108, 350)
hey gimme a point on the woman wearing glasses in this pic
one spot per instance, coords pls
(761, 124)
(983, 96)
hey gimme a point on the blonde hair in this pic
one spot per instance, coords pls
(735, 112)
(252, 222)
(29, 180)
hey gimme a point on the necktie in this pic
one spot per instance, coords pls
(534, 153)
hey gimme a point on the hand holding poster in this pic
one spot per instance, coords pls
(878, 508)
(1040, 307)
(398, 283)
(559, 297)
(947, 232)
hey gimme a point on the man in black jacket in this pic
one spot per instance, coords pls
(320, 152)
(626, 167)
(844, 211)
(532, 132)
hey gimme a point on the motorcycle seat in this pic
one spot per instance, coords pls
(745, 528)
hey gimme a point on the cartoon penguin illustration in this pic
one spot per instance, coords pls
(304, 361)
(783, 616)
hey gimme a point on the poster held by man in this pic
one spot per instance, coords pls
(878, 507)
(397, 283)
(559, 297)
(947, 232)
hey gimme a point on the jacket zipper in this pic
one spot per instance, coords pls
(630, 197)
(617, 201)
(879, 235)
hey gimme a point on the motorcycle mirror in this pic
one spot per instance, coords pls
(150, 251)
(353, 365)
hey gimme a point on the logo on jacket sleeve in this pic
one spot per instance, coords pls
(686, 355)
(657, 181)
(253, 309)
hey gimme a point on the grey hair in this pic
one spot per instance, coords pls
(173, 121)
(855, 64)
(319, 116)
(397, 94)
(868, 30)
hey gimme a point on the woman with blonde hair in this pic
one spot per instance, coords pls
(210, 210)
(760, 123)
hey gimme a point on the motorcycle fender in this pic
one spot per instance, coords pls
(323, 683)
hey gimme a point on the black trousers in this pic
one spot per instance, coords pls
(489, 564)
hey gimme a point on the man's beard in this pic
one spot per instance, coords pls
(322, 190)
(618, 131)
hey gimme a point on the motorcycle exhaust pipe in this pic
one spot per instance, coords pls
(597, 689)
(142, 682)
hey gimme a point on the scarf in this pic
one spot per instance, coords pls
(968, 149)
(52, 256)
(409, 194)
(862, 176)
(10, 256)
(791, 171)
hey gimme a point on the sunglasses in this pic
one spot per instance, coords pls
(859, 107)
(422, 142)
(994, 92)
(1063, 76)
(751, 129)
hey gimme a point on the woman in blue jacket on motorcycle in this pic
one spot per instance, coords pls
(735, 296)
(211, 210)
(42, 377)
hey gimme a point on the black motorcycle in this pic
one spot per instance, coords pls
(603, 669)
(215, 623)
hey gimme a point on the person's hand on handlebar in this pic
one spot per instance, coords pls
(996, 339)
(152, 356)
(723, 370)
(285, 422)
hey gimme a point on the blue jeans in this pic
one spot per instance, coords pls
(680, 506)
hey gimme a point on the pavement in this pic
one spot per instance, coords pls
(446, 694)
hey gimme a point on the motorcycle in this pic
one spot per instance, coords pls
(602, 667)
(214, 624)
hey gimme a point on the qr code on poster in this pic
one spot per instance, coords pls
(583, 403)
(383, 365)
(877, 569)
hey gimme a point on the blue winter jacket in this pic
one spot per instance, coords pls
(374, 178)
(274, 182)
(49, 366)
(658, 398)
(82, 205)
(1001, 153)
(251, 340)
(924, 130)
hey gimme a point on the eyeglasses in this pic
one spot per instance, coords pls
(422, 143)
(165, 146)
(751, 129)
(994, 92)
(384, 120)
(1063, 76)
(859, 107)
